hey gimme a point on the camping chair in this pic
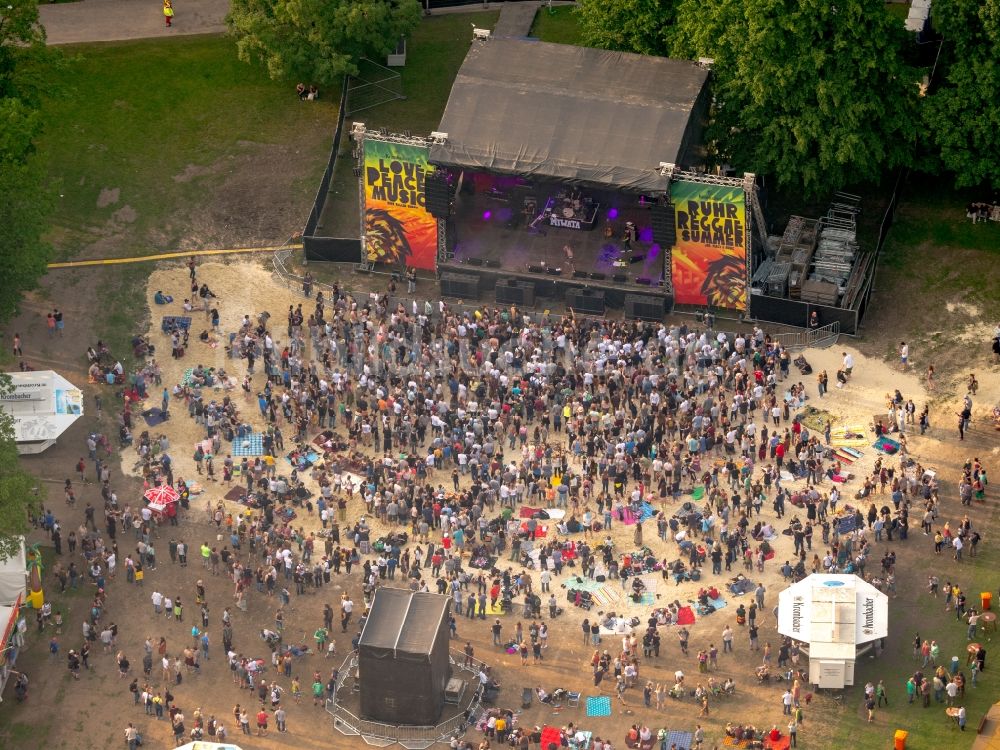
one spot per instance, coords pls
(573, 699)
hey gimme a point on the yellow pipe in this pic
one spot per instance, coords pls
(167, 256)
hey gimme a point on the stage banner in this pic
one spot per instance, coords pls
(398, 228)
(709, 261)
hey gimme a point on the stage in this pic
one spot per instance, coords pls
(491, 235)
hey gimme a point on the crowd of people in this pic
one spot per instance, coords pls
(416, 436)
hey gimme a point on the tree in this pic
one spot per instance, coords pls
(18, 494)
(815, 93)
(628, 25)
(962, 115)
(26, 200)
(317, 41)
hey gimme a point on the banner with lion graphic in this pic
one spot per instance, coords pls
(398, 228)
(709, 261)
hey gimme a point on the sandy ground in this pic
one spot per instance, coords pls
(249, 289)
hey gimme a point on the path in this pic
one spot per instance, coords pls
(117, 20)
(168, 256)
(516, 20)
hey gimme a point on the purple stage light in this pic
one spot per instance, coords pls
(646, 234)
(613, 213)
(487, 215)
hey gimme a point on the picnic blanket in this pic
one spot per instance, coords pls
(815, 419)
(541, 530)
(783, 743)
(717, 604)
(551, 734)
(607, 596)
(235, 494)
(886, 445)
(598, 705)
(249, 445)
(583, 743)
(732, 742)
(685, 616)
(698, 492)
(646, 512)
(648, 599)
(741, 586)
(154, 416)
(584, 584)
(527, 512)
(187, 378)
(170, 322)
(847, 458)
(849, 436)
(681, 739)
(311, 458)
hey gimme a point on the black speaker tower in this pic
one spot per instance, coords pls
(664, 230)
(437, 194)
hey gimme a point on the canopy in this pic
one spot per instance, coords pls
(43, 404)
(161, 495)
(13, 577)
(574, 114)
(833, 609)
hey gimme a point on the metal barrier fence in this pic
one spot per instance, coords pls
(815, 338)
(410, 736)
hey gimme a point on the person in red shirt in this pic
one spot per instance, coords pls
(779, 455)
(261, 722)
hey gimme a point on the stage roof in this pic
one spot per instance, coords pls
(569, 113)
(403, 623)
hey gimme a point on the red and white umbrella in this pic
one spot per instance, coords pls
(161, 495)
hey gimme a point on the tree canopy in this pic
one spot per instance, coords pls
(962, 113)
(318, 41)
(628, 25)
(18, 496)
(26, 201)
(812, 92)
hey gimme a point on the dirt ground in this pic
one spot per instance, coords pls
(93, 712)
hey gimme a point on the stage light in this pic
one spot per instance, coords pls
(646, 234)
(487, 215)
(613, 214)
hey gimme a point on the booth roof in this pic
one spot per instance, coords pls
(403, 622)
(568, 113)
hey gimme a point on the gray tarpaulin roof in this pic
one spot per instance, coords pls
(570, 113)
(402, 623)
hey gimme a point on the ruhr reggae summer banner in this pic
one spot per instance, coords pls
(709, 261)
(398, 228)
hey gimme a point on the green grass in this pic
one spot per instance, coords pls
(434, 54)
(898, 10)
(131, 116)
(558, 24)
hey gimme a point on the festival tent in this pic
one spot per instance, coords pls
(833, 614)
(43, 404)
(592, 117)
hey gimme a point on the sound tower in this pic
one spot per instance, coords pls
(437, 194)
(664, 231)
(461, 285)
(590, 301)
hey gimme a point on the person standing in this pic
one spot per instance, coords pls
(17, 345)
(168, 11)
(58, 317)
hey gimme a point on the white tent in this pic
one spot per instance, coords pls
(43, 404)
(13, 577)
(202, 745)
(834, 614)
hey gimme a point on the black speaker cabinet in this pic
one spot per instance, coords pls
(511, 292)
(589, 301)
(597, 276)
(473, 261)
(437, 194)
(492, 263)
(535, 269)
(580, 274)
(461, 285)
(643, 307)
(619, 278)
(664, 230)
